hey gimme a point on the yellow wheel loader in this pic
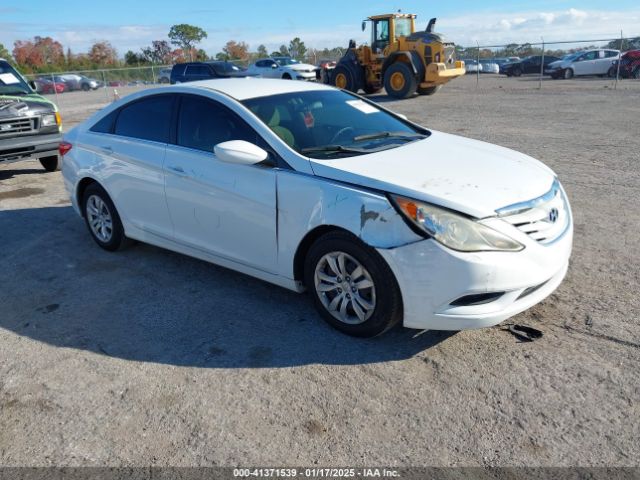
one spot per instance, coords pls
(399, 59)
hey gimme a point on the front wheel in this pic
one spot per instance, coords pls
(51, 164)
(399, 81)
(286, 76)
(636, 73)
(568, 74)
(352, 286)
(102, 218)
(344, 77)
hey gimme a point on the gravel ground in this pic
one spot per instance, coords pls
(147, 357)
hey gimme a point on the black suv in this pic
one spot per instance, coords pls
(526, 65)
(30, 125)
(193, 71)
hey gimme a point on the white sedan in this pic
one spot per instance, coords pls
(285, 68)
(310, 187)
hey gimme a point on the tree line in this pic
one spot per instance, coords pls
(45, 54)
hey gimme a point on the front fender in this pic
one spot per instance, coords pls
(306, 202)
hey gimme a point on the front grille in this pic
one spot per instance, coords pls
(17, 126)
(544, 219)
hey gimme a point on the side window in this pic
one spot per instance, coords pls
(611, 53)
(203, 123)
(147, 119)
(105, 124)
(261, 63)
(196, 70)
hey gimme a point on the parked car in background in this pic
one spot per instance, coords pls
(472, 66)
(284, 67)
(324, 69)
(46, 86)
(248, 173)
(30, 125)
(75, 81)
(194, 71)
(586, 62)
(532, 64)
(489, 66)
(164, 75)
(629, 65)
(116, 83)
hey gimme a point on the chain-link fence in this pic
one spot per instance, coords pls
(79, 93)
(602, 63)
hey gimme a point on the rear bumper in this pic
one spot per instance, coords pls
(29, 146)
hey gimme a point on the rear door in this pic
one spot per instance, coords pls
(605, 60)
(225, 209)
(132, 153)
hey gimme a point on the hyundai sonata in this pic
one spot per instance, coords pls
(310, 187)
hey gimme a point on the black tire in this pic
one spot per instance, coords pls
(636, 73)
(555, 76)
(286, 76)
(117, 239)
(611, 73)
(86, 87)
(51, 164)
(517, 72)
(387, 310)
(429, 90)
(409, 86)
(344, 77)
(568, 74)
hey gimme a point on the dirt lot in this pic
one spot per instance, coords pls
(146, 357)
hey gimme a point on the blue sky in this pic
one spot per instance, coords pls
(132, 24)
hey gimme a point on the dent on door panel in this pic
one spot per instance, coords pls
(306, 202)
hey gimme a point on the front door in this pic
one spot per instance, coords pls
(225, 209)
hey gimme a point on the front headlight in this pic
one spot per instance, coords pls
(453, 230)
(48, 120)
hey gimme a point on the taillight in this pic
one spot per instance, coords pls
(64, 148)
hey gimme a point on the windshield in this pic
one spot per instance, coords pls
(11, 82)
(284, 61)
(330, 123)
(571, 56)
(403, 27)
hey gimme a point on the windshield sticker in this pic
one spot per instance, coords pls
(362, 106)
(8, 78)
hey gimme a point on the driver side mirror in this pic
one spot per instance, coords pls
(33, 85)
(274, 65)
(240, 152)
(364, 25)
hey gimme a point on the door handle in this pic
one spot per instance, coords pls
(177, 169)
(106, 149)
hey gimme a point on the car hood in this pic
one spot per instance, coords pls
(557, 64)
(24, 105)
(302, 67)
(465, 175)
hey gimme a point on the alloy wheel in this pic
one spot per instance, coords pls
(345, 288)
(99, 218)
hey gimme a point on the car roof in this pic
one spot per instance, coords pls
(245, 88)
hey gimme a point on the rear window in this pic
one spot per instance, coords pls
(146, 119)
(105, 124)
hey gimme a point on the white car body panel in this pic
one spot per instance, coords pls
(417, 170)
(254, 219)
(303, 70)
(596, 66)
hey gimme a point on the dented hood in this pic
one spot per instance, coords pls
(465, 175)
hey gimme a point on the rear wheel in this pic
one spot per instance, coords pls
(517, 72)
(636, 73)
(286, 76)
(353, 288)
(51, 164)
(102, 219)
(399, 81)
(568, 74)
(429, 90)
